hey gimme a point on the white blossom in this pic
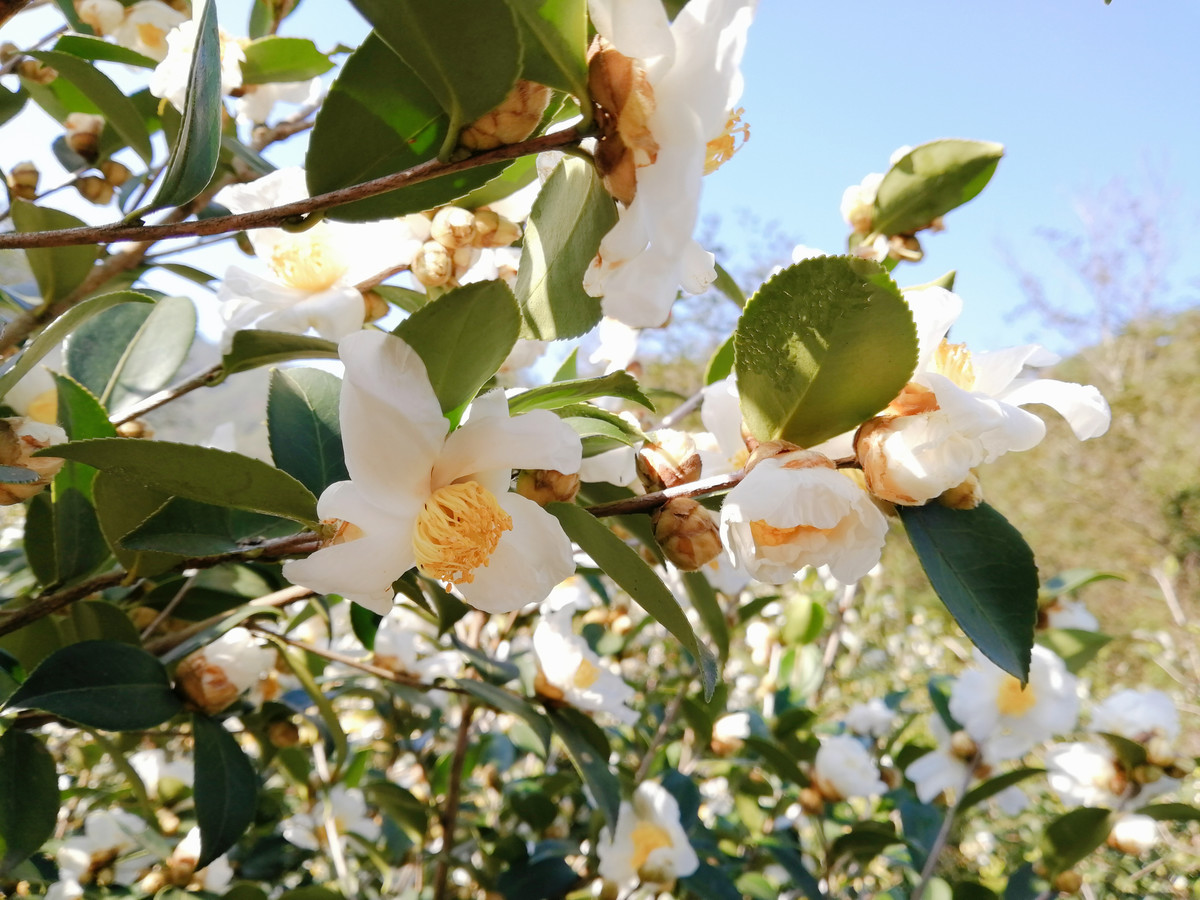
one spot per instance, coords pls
(1133, 834)
(345, 810)
(843, 768)
(873, 718)
(169, 80)
(572, 669)
(648, 843)
(1067, 613)
(146, 27)
(1137, 715)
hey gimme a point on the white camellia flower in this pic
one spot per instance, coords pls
(109, 836)
(169, 80)
(941, 769)
(419, 496)
(35, 396)
(1085, 774)
(405, 642)
(146, 26)
(961, 410)
(103, 15)
(217, 674)
(1006, 719)
(858, 202)
(257, 101)
(1067, 613)
(1133, 834)
(214, 878)
(873, 718)
(844, 768)
(649, 843)
(153, 767)
(797, 510)
(1137, 715)
(571, 672)
(345, 809)
(722, 447)
(690, 81)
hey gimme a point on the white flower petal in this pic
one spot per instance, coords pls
(934, 310)
(1082, 405)
(333, 314)
(536, 440)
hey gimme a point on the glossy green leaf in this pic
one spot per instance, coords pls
(469, 61)
(463, 338)
(598, 428)
(226, 789)
(28, 797)
(253, 349)
(15, 475)
(404, 298)
(401, 805)
(397, 123)
(39, 539)
(708, 605)
(930, 180)
(121, 505)
(198, 473)
(1076, 647)
(720, 364)
(558, 394)
(1071, 837)
(58, 270)
(99, 50)
(131, 351)
(187, 528)
(554, 33)
(984, 572)
(303, 426)
(727, 286)
(274, 59)
(118, 110)
(11, 102)
(197, 147)
(570, 217)
(101, 684)
(822, 347)
(624, 566)
(1170, 812)
(591, 761)
(98, 620)
(79, 546)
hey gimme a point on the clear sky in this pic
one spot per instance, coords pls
(1077, 91)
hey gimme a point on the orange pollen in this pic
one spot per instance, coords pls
(954, 361)
(307, 263)
(722, 148)
(586, 675)
(1014, 700)
(151, 35)
(769, 536)
(647, 837)
(457, 531)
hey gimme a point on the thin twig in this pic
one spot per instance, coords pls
(282, 597)
(169, 608)
(939, 842)
(165, 396)
(668, 719)
(647, 502)
(9, 8)
(449, 815)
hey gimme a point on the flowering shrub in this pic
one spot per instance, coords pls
(477, 619)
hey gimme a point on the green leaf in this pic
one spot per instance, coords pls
(624, 566)
(188, 528)
(519, 173)
(500, 699)
(101, 684)
(1170, 812)
(79, 546)
(993, 786)
(226, 789)
(119, 112)
(469, 60)
(788, 855)
(598, 428)
(401, 805)
(58, 270)
(1077, 648)
(252, 349)
(1071, 837)
(121, 505)
(463, 338)
(984, 572)
(720, 364)
(822, 347)
(39, 539)
(864, 841)
(273, 59)
(99, 50)
(554, 33)
(591, 761)
(943, 281)
(1071, 580)
(930, 180)
(570, 217)
(397, 124)
(299, 668)
(541, 880)
(197, 148)
(727, 286)
(11, 102)
(705, 600)
(80, 414)
(131, 351)
(98, 620)
(13, 475)
(303, 426)
(198, 473)
(28, 797)
(404, 298)
(558, 394)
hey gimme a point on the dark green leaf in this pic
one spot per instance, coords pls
(708, 605)
(80, 414)
(822, 347)
(1071, 837)
(94, 48)
(400, 804)
(11, 102)
(58, 270)
(930, 180)
(197, 147)
(498, 698)
(993, 786)
(101, 684)
(303, 426)
(121, 505)
(39, 539)
(253, 349)
(119, 112)
(1076, 647)
(15, 475)
(570, 217)
(1170, 812)
(789, 856)
(198, 473)
(710, 883)
(591, 763)
(273, 59)
(28, 797)
(188, 528)
(98, 620)
(558, 394)
(624, 566)
(79, 545)
(972, 890)
(554, 33)
(463, 338)
(864, 841)
(984, 572)
(720, 364)
(1024, 884)
(226, 789)
(541, 880)
(921, 824)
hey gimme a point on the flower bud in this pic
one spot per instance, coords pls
(105, 16)
(1147, 774)
(168, 822)
(464, 258)
(213, 677)
(624, 101)
(19, 439)
(967, 495)
(963, 745)
(772, 449)
(83, 134)
(453, 227)
(513, 120)
(668, 458)
(1067, 882)
(905, 246)
(543, 688)
(375, 307)
(94, 190)
(1159, 752)
(432, 265)
(687, 533)
(544, 486)
(136, 428)
(283, 733)
(494, 230)
(114, 172)
(23, 181)
(36, 72)
(812, 801)
(8, 52)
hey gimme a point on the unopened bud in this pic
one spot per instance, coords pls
(811, 801)
(967, 495)
(891, 777)
(963, 745)
(135, 428)
(464, 258)
(453, 227)
(83, 133)
(8, 52)
(215, 676)
(668, 458)
(543, 688)
(20, 438)
(1067, 882)
(95, 190)
(432, 266)
(36, 71)
(494, 230)
(770, 450)
(1159, 752)
(1147, 774)
(23, 181)
(513, 120)
(283, 733)
(153, 883)
(115, 173)
(105, 16)
(375, 307)
(687, 533)
(168, 822)
(905, 246)
(544, 486)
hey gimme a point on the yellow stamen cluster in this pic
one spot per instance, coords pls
(647, 837)
(457, 531)
(307, 263)
(1013, 699)
(954, 361)
(586, 675)
(770, 536)
(722, 148)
